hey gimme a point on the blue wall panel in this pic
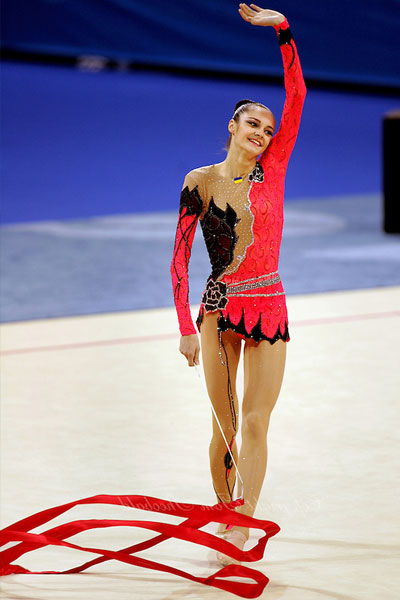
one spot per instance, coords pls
(353, 42)
(77, 144)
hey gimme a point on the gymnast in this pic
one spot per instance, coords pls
(239, 203)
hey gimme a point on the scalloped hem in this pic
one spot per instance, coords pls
(256, 333)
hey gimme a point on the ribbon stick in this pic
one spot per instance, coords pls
(223, 436)
(196, 516)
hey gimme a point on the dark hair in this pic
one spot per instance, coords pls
(241, 107)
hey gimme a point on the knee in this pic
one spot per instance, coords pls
(255, 425)
(226, 410)
(228, 427)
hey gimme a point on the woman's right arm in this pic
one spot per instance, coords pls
(190, 208)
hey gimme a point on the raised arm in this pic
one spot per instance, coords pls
(284, 139)
(295, 88)
(189, 211)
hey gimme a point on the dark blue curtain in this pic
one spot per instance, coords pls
(354, 42)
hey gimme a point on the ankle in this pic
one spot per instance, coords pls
(244, 531)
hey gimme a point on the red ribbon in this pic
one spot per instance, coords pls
(196, 516)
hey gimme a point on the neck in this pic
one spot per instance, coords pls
(238, 163)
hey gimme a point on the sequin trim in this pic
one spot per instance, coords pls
(256, 176)
(253, 278)
(257, 295)
(232, 268)
(234, 290)
(215, 296)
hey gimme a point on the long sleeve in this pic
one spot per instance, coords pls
(284, 140)
(190, 209)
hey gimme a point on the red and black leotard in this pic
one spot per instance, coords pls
(242, 228)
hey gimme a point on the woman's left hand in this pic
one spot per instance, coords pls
(259, 16)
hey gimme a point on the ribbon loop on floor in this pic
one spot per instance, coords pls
(196, 516)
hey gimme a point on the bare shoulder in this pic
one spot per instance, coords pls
(199, 179)
(197, 176)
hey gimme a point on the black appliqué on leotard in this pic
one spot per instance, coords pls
(220, 237)
(224, 323)
(190, 205)
(257, 174)
(191, 200)
(285, 37)
(214, 296)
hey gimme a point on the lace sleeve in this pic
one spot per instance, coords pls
(284, 140)
(190, 209)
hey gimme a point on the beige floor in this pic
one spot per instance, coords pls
(105, 404)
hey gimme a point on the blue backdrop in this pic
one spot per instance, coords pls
(77, 144)
(353, 42)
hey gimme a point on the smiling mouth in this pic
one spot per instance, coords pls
(255, 142)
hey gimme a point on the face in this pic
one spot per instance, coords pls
(253, 131)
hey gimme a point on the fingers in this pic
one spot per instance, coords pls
(246, 13)
(255, 7)
(191, 358)
(196, 356)
(190, 350)
(247, 10)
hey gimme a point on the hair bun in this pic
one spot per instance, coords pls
(241, 103)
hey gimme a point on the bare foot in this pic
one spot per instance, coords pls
(238, 539)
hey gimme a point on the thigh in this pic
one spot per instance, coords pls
(220, 378)
(264, 365)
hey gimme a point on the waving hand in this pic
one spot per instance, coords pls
(259, 16)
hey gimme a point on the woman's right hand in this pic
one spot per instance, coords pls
(190, 348)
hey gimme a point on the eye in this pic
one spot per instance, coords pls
(269, 132)
(252, 123)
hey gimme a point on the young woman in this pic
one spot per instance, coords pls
(239, 203)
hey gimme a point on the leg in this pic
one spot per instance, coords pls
(264, 365)
(221, 386)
